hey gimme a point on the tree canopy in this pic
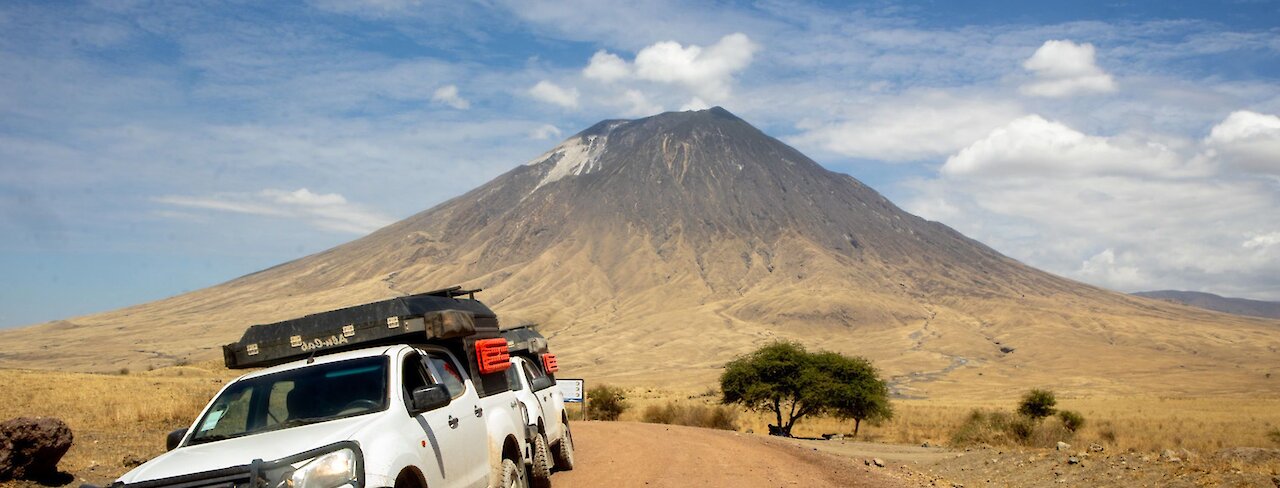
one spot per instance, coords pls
(784, 378)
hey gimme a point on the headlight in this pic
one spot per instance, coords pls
(331, 470)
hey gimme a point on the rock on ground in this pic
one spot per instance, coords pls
(30, 448)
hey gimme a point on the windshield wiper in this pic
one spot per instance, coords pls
(296, 422)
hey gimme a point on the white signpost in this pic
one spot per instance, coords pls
(574, 390)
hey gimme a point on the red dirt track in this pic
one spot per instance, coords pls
(635, 454)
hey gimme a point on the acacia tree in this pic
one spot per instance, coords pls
(769, 379)
(853, 389)
(784, 378)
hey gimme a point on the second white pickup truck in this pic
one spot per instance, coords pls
(532, 378)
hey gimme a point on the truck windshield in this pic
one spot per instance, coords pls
(296, 397)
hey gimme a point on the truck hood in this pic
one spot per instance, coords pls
(267, 446)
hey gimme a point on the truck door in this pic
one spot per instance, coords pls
(467, 430)
(450, 440)
(544, 388)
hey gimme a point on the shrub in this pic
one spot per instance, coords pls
(1274, 435)
(982, 428)
(1005, 428)
(717, 417)
(124, 371)
(1071, 419)
(607, 402)
(1037, 404)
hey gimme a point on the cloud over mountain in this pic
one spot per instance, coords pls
(1063, 68)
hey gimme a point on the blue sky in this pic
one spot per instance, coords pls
(152, 148)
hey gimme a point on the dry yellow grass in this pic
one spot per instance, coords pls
(117, 416)
(112, 416)
(1145, 424)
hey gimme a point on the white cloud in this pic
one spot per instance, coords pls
(707, 72)
(694, 104)
(913, 127)
(552, 93)
(1031, 145)
(1247, 140)
(1162, 215)
(1155, 233)
(1261, 241)
(1064, 68)
(606, 67)
(545, 131)
(448, 95)
(639, 105)
(325, 211)
(1103, 268)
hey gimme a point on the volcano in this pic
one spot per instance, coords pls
(652, 251)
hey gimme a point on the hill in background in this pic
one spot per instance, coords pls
(652, 251)
(1237, 306)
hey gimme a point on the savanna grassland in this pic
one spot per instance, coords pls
(118, 419)
(121, 419)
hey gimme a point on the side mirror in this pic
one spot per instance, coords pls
(430, 398)
(174, 438)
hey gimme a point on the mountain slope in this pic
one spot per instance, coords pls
(1236, 306)
(655, 250)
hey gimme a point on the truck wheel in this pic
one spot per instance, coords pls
(564, 450)
(541, 463)
(512, 477)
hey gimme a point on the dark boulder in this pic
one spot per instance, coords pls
(30, 448)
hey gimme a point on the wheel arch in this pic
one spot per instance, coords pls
(412, 478)
(511, 449)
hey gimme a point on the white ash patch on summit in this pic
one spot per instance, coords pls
(579, 155)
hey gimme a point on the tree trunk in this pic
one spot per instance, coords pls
(777, 410)
(856, 423)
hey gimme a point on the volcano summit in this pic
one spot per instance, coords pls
(654, 250)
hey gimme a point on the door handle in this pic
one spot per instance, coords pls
(453, 422)
(479, 411)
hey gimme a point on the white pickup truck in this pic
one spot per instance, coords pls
(340, 411)
(532, 378)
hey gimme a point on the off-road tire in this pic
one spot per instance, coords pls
(540, 472)
(512, 477)
(563, 451)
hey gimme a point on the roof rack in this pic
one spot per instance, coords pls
(435, 315)
(454, 292)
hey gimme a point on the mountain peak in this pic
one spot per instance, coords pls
(663, 234)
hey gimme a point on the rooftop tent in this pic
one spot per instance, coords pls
(437, 315)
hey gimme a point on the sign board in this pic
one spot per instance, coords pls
(573, 390)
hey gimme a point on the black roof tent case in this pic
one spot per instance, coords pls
(431, 316)
(526, 340)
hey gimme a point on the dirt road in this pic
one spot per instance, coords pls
(634, 454)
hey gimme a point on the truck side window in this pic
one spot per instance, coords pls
(414, 377)
(446, 373)
(537, 379)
